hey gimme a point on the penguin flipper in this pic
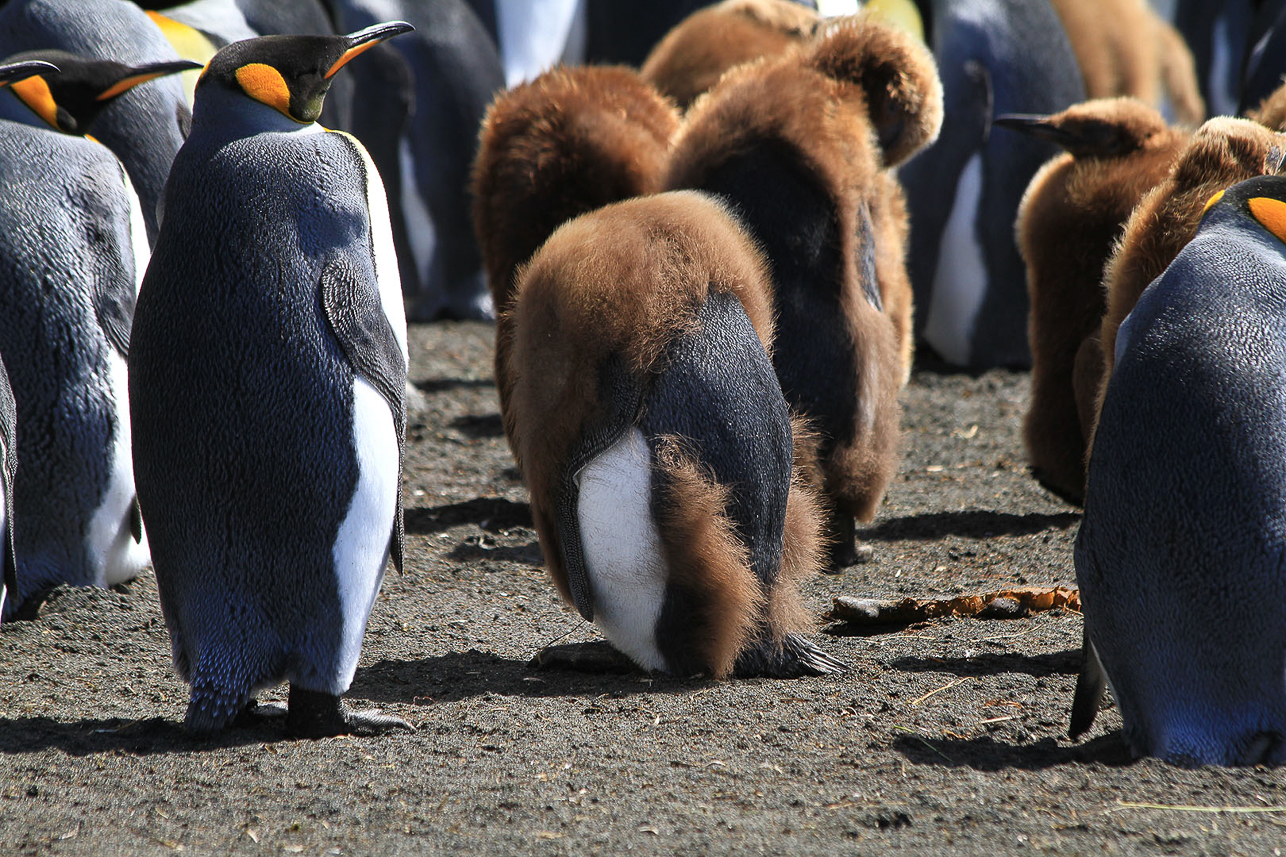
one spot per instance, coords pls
(356, 316)
(1090, 685)
(622, 399)
(136, 521)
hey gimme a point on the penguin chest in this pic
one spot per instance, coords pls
(960, 281)
(622, 547)
(362, 544)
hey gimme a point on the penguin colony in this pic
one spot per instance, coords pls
(709, 284)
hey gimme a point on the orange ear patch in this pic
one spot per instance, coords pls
(264, 83)
(1271, 213)
(35, 93)
(1211, 202)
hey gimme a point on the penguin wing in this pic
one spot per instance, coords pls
(9, 465)
(352, 305)
(621, 397)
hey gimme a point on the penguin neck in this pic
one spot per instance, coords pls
(221, 114)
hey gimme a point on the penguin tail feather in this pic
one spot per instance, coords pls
(213, 706)
(1090, 685)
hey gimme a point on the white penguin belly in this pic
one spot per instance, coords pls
(111, 544)
(960, 281)
(534, 34)
(362, 545)
(622, 547)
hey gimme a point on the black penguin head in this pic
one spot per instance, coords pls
(1262, 199)
(71, 92)
(290, 74)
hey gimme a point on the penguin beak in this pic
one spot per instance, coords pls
(366, 39)
(1037, 126)
(22, 70)
(144, 73)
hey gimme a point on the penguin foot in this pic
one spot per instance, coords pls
(792, 657)
(594, 657)
(258, 713)
(316, 714)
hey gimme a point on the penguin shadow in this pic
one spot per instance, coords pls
(479, 426)
(1053, 663)
(986, 753)
(444, 385)
(971, 523)
(458, 676)
(493, 514)
(142, 737)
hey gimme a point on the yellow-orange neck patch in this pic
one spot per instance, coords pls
(1271, 213)
(348, 55)
(1210, 202)
(264, 83)
(35, 93)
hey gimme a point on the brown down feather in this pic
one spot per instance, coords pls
(1071, 216)
(691, 57)
(619, 282)
(1124, 48)
(568, 142)
(858, 100)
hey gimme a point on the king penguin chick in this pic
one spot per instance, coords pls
(803, 146)
(73, 247)
(267, 385)
(1071, 217)
(1181, 556)
(9, 409)
(656, 443)
(570, 141)
(701, 47)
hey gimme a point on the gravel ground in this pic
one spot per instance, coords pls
(944, 737)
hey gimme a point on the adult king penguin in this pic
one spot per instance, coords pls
(73, 246)
(267, 380)
(1181, 555)
(8, 410)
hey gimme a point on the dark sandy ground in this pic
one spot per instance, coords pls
(947, 737)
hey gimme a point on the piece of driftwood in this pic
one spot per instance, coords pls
(1012, 603)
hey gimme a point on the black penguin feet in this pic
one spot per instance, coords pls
(258, 713)
(792, 657)
(594, 657)
(316, 714)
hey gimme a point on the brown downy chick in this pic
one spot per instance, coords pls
(802, 145)
(568, 142)
(701, 47)
(1125, 48)
(1071, 217)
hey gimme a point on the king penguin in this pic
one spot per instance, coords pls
(8, 409)
(73, 246)
(147, 124)
(1181, 555)
(268, 377)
